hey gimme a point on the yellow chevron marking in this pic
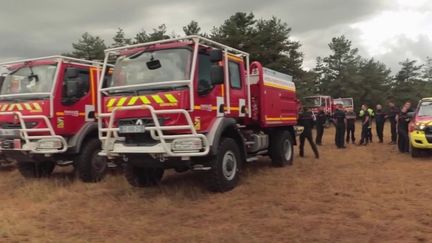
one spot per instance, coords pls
(37, 106)
(158, 99)
(133, 100)
(145, 100)
(19, 106)
(28, 106)
(121, 101)
(11, 107)
(4, 107)
(111, 102)
(171, 98)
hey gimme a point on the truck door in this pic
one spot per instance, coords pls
(77, 98)
(237, 88)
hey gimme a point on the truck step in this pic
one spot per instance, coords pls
(201, 168)
(64, 163)
(251, 159)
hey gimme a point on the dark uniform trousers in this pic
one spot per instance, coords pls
(350, 131)
(340, 135)
(364, 134)
(320, 133)
(403, 141)
(393, 129)
(380, 130)
(308, 135)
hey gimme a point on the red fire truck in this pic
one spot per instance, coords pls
(47, 118)
(327, 103)
(194, 104)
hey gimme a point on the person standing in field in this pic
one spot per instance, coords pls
(340, 121)
(392, 117)
(321, 118)
(371, 117)
(306, 119)
(350, 129)
(380, 117)
(403, 139)
(364, 114)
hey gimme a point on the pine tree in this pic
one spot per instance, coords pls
(120, 39)
(89, 47)
(192, 28)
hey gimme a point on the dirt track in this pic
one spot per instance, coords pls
(361, 194)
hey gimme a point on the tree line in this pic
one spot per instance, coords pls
(343, 73)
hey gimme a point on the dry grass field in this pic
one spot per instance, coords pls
(360, 194)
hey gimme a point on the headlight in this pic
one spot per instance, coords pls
(420, 127)
(187, 144)
(49, 144)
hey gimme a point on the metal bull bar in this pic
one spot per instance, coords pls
(110, 147)
(32, 142)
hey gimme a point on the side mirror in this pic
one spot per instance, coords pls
(71, 73)
(217, 75)
(216, 55)
(411, 114)
(154, 64)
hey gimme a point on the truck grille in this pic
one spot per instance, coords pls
(10, 125)
(143, 139)
(428, 133)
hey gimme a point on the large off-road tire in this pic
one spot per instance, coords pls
(143, 176)
(281, 148)
(90, 166)
(415, 152)
(225, 167)
(39, 169)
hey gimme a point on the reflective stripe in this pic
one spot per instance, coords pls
(11, 107)
(4, 107)
(37, 106)
(111, 102)
(133, 100)
(171, 98)
(28, 106)
(19, 106)
(121, 101)
(144, 100)
(158, 99)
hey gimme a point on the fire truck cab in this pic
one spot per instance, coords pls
(47, 116)
(193, 104)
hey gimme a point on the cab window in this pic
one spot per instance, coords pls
(82, 78)
(234, 73)
(204, 77)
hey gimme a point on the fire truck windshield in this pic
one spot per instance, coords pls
(29, 80)
(134, 70)
(312, 102)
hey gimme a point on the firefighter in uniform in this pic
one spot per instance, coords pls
(403, 139)
(371, 117)
(320, 121)
(340, 121)
(392, 117)
(351, 119)
(364, 114)
(380, 117)
(306, 119)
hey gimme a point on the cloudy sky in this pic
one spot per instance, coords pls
(389, 30)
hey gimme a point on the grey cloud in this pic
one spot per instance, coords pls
(35, 28)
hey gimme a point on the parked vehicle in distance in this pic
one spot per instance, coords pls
(327, 104)
(47, 116)
(194, 104)
(420, 128)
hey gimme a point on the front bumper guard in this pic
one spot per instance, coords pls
(31, 142)
(114, 145)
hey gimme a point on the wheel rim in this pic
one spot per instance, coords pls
(98, 163)
(287, 148)
(229, 165)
